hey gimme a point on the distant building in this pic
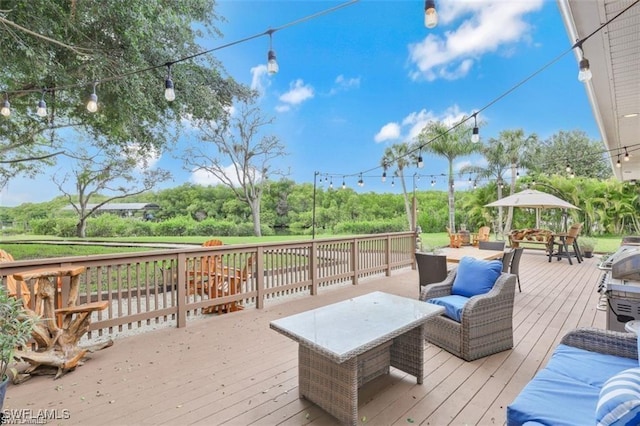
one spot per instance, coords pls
(144, 210)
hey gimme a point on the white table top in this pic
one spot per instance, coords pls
(351, 327)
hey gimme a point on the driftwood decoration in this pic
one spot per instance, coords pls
(58, 331)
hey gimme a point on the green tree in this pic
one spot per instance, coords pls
(505, 155)
(450, 143)
(585, 157)
(397, 156)
(56, 50)
(237, 153)
(104, 171)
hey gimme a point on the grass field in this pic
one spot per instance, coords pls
(27, 246)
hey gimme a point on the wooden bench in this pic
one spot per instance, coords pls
(530, 236)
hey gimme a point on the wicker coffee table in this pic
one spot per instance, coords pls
(344, 345)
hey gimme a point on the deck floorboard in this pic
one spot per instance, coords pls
(232, 369)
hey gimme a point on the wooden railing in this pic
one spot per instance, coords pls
(147, 288)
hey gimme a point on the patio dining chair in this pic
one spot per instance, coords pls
(491, 245)
(560, 243)
(506, 260)
(432, 268)
(515, 265)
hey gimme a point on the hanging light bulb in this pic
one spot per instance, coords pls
(568, 168)
(420, 162)
(584, 74)
(5, 110)
(475, 135)
(360, 181)
(384, 176)
(169, 92)
(92, 105)
(572, 175)
(344, 185)
(626, 154)
(517, 175)
(331, 184)
(272, 63)
(42, 106)
(430, 14)
(433, 182)
(393, 182)
(618, 164)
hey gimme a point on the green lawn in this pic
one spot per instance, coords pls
(21, 248)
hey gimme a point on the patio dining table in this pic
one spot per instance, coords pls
(454, 255)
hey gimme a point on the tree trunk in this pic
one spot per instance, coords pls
(407, 207)
(255, 215)
(452, 200)
(509, 221)
(81, 228)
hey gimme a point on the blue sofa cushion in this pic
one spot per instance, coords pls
(572, 378)
(453, 305)
(475, 276)
(551, 398)
(619, 402)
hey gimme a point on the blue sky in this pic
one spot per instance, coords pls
(368, 75)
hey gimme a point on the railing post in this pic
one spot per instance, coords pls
(355, 260)
(388, 255)
(259, 278)
(313, 268)
(182, 291)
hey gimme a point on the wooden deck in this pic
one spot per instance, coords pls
(232, 369)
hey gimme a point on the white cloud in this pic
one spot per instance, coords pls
(411, 126)
(283, 108)
(260, 78)
(343, 84)
(203, 177)
(389, 131)
(486, 27)
(298, 93)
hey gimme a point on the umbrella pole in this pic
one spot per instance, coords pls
(537, 218)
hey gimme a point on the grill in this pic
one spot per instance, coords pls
(620, 286)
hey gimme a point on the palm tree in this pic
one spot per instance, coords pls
(506, 154)
(451, 143)
(397, 156)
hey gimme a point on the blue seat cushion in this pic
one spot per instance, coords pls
(475, 276)
(551, 398)
(453, 305)
(572, 378)
(619, 402)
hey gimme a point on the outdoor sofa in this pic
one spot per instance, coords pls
(593, 377)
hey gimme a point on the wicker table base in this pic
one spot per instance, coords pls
(376, 332)
(334, 386)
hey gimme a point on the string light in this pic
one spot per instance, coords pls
(626, 154)
(42, 106)
(92, 105)
(272, 63)
(584, 74)
(618, 163)
(430, 14)
(344, 185)
(475, 135)
(384, 176)
(360, 181)
(568, 168)
(5, 110)
(169, 92)
(420, 162)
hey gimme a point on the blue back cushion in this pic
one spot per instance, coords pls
(475, 276)
(619, 402)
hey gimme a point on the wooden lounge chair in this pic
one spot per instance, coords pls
(481, 235)
(455, 240)
(17, 289)
(563, 241)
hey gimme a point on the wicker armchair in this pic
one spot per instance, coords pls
(486, 326)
